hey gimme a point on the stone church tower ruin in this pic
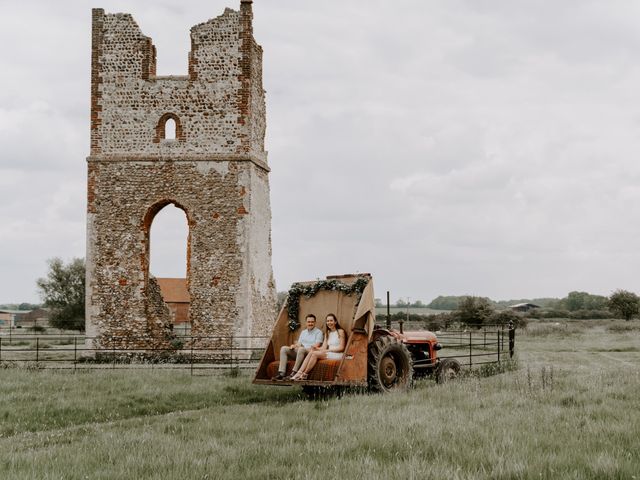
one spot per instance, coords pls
(215, 170)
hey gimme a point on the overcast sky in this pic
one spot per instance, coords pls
(485, 147)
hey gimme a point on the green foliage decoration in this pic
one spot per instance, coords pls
(299, 289)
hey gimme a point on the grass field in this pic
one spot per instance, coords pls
(571, 411)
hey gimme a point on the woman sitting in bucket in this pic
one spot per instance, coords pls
(332, 348)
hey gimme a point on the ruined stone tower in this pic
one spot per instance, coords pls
(215, 170)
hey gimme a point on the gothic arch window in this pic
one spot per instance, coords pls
(146, 228)
(167, 254)
(169, 128)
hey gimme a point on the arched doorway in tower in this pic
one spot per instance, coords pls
(169, 263)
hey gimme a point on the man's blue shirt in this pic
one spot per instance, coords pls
(310, 338)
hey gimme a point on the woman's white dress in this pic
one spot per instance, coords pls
(334, 341)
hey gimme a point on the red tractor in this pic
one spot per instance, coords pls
(381, 359)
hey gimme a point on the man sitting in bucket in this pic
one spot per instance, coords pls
(310, 337)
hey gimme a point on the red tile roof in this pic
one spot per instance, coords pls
(174, 290)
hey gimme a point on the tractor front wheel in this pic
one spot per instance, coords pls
(390, 366)
(448, 369)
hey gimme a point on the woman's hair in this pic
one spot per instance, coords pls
(338, 327)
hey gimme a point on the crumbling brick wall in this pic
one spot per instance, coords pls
(159, 317)
(215, 170)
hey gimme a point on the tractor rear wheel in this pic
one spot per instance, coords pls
(448, 369)
(390, 365)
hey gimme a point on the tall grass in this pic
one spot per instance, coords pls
(540, 329)
(569, 412)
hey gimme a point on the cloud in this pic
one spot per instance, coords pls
(39, 137)
(42, 217)
(446, 147)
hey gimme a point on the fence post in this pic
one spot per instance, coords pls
(512, 339)
(191, 360)
(470, 349)
(498, 334)
(231, 353)
(75, 352)
(113, 355)
(0, 349)
(37, 349)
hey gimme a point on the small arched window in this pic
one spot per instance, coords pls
(169, 128)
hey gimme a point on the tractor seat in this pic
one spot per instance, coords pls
(324, 371)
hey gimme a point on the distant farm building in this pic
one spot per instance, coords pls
(11, 318)
(176, 295)
(38, 317)
(523, 307)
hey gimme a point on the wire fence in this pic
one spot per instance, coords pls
(477, 346)
(75, 352)
(69, 351)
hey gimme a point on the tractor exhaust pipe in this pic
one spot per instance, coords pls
(388, 312)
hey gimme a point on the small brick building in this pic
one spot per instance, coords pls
(38, 317)
(176, 295)
(214, 169)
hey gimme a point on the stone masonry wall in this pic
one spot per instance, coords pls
(258, 118)
(206, 102)
(215, 170)
(159, 317)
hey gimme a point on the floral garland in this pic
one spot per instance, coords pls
(298, 289)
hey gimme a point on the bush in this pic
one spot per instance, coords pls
(576, 314)
(624, 303)
(433, 322)
(504, 317)
(590, 314)
(474, 311)
(551, 313)
(440, 321)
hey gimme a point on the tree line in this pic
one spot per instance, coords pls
(19, 306)
(478, 311)
(63, 292)
(581, 302)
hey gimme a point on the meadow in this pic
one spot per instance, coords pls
(570, 411)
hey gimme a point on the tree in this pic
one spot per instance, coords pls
(575, 300)
(624, 303)
(584, 301)
(445, 303)
(28, 306)
(63, 292)
(474, 311)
